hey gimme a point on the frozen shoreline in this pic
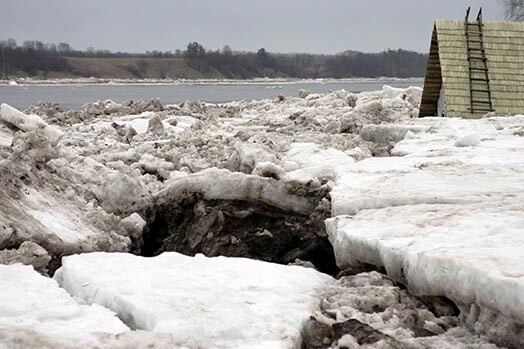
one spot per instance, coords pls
(167, 82)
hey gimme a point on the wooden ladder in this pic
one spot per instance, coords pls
(479, 84)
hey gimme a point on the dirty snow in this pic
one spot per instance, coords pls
(367, 310)
(74, 175)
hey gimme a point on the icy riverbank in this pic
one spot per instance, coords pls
(258, 179)
(256, 81)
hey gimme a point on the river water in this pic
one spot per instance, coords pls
(72, 96)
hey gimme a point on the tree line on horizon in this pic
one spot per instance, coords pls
(35, 58)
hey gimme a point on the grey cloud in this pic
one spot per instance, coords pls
(315, 26)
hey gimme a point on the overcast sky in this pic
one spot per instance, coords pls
(314, 26)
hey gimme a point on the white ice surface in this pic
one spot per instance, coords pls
(314, 162)
(445, 214)
(35, 310)
(62, 221)
(26, 123)
(203, 302)
(6, 135)
(311, 155)
(140, 122)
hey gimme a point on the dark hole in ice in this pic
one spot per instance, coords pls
(237, 229)
(360, 268)
(441, 306)
(54, 264)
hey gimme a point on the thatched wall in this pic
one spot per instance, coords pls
(448, 64)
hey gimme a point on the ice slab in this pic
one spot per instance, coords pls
(314, 162)
(52, 221)
(35, 311)
(203, 302)
(248, 188)
(444, 217)
(140, 122)
(6, 135)
(26, 123)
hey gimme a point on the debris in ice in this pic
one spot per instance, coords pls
(29, 253)
(155, 126)
(134, 225)
(303, 93)
(367, 310)
(218, 212)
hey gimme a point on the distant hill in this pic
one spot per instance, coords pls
(137, 67)
(36, 59)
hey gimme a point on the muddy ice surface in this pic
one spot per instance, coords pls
(191, 217)
(367, 310)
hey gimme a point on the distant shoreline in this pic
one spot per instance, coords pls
(157, 82)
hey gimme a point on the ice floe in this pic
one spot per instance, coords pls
(203, 302)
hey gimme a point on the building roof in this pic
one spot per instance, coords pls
(448, 64)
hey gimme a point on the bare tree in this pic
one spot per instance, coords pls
(513, 9)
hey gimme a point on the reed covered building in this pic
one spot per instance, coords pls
(474, 68)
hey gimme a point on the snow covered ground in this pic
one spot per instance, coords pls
(437, 202)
